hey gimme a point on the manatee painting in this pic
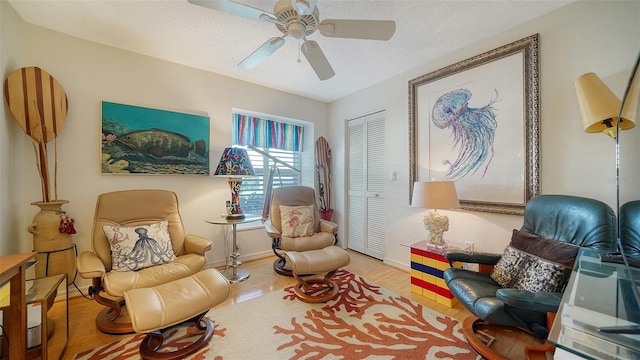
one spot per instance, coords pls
(159, 143)
(150, 141)
(473, 131)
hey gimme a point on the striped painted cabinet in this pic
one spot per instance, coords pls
(427, 266)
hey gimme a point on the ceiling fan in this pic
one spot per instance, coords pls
(299, 19)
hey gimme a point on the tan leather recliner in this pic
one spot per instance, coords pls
(325, 233)
(134, 208)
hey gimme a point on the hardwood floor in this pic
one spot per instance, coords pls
(82, 312)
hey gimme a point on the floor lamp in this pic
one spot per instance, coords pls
(597, 101)
(602, 111)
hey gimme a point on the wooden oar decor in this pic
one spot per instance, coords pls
(39, 104)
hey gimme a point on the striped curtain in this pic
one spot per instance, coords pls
(266, 134)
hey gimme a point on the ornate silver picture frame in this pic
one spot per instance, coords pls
(476, 122)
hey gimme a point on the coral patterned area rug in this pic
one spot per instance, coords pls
(365, 321)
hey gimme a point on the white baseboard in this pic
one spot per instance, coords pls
(396, 264)
(243, 258)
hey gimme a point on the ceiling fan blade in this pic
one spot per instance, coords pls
(358, 29)
(234, 8)
(317, 60)
(261, 53)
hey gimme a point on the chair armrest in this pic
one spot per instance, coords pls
(472, 257)
(194, 244)
(90, 266)
(271, 230)
(328, 226)
(523, 299)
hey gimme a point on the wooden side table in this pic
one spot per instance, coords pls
(427, 266)
(12, 271)
(41, 291)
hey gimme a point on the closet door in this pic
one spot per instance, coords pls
(365, 203)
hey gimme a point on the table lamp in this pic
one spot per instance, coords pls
(599, 106)
(435, 195)
(234, 164)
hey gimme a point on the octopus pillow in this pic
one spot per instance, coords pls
(138, 247)
(297, 221)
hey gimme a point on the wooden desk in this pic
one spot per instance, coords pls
(12, 269)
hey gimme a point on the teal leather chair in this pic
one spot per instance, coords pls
(630, 227)
(580, 221)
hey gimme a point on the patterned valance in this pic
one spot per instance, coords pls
(266, 134)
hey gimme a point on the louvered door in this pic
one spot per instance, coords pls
(366, 204)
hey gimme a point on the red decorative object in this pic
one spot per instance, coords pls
(66, 225)
(326, 214)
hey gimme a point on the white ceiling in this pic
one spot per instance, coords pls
(177, 31)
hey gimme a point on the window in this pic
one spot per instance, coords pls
(253, 189)
(280, 140)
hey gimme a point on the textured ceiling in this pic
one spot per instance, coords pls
(180, 32)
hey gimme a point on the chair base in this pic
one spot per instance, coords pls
(281, 267)
(119, 326)
(539, 352)
(316, 290)
(153, 342)
(469, 330)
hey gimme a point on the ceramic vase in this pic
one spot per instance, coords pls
(56, 253)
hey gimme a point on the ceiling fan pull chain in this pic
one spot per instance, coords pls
(299, 61)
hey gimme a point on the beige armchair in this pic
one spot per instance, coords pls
(296, 233)
(145, 217)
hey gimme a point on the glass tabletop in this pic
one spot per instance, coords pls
(42, 288)
(598, 297)
(439, 249)
(222, 220)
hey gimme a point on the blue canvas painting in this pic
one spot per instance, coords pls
(139, 140)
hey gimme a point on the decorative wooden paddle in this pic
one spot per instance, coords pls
(39, 104)
(323, 169)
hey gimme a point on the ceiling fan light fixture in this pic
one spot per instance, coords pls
(297, 30)
(303, 7)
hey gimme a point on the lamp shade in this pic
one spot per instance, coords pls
(435, 195)
(234, 162)
(630, 112)
(599, 106)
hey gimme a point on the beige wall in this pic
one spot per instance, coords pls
(12, 53)
(603, 37)
(91, 73)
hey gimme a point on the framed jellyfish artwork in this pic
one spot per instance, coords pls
(476, 122)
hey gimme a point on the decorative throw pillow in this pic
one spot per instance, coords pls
(504, 272)
(297, 221)
(137, 247)
(535, 263)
